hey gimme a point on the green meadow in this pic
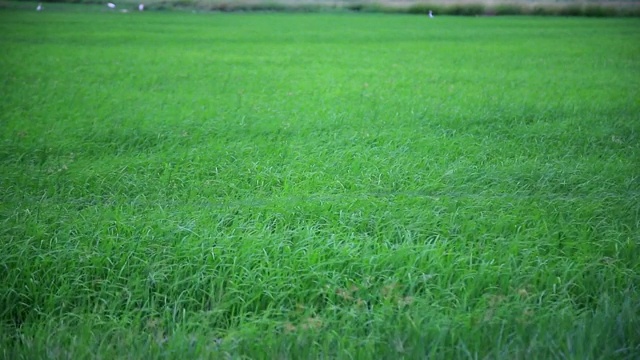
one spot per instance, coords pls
(304, 186)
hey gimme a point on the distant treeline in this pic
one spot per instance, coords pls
(603, 8)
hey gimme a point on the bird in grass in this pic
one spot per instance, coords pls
(141, 7)
(111, 5)
(39, 7)
(431, 14)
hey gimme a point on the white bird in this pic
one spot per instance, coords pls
(141, 7)
(111, 5)
(39, 8)
(430, 14)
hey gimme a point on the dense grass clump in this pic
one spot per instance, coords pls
(310, 186)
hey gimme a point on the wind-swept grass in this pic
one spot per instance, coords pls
(313, 186)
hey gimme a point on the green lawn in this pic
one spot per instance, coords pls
(177, 185)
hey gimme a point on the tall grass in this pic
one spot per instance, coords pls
(310, 186)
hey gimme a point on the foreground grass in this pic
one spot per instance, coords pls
(318, 186)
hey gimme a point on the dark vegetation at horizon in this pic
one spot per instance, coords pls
(470, 8)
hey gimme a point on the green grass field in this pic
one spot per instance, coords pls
(178, 185)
